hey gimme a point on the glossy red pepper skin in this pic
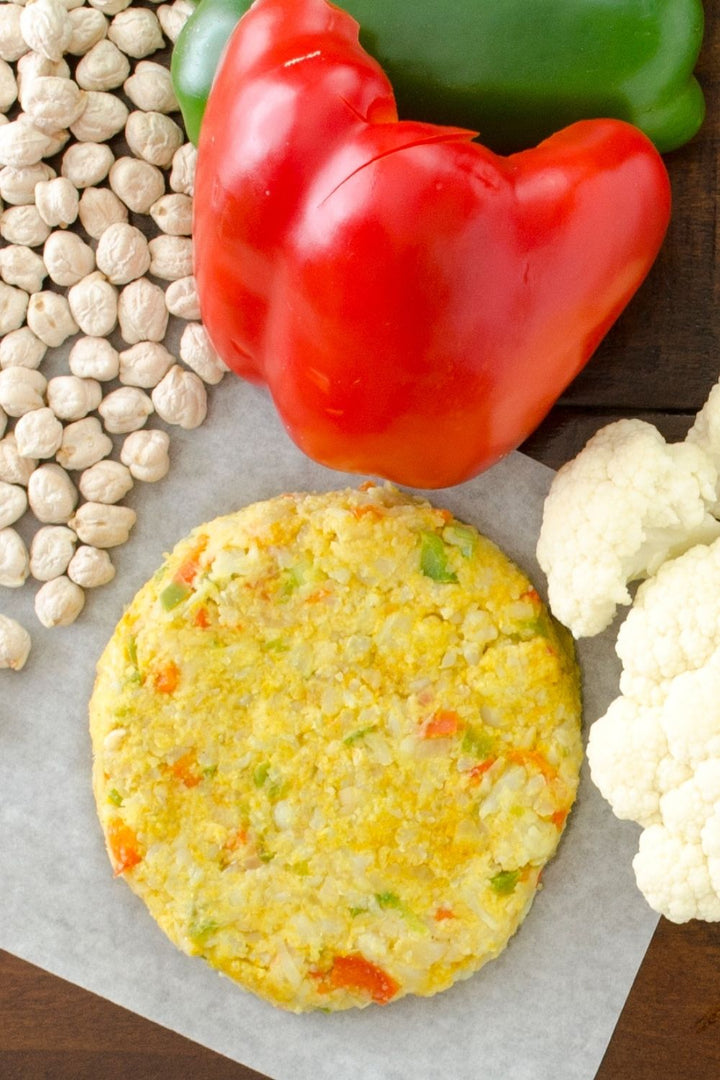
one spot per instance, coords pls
(414, 302)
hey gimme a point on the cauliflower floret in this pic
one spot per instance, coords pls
(705, 431)
(630, 761)
(710, 837)
(624, 505)
(691, 714)
(677, 863)
(658, 763)
(674, 625)
(673, 874)
(632, 506)
(686, 809)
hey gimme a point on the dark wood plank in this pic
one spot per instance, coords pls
(670, 1026)
(53, 1029)
(567, 428)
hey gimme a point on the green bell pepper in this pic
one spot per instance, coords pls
(514, 70)
(197, 53)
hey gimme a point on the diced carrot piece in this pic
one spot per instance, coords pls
(188, 569)
(185, 770)
(240, 836)
(354, 972)
(479, 770)
(123, 845)
(202, 619)
(559, 818)
(166, 680)
(444, 913)
(318, 595)
(442, 723)
(367, 485)
(534, 759)
(369, 510)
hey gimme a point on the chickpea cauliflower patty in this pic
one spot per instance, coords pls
(336, 738)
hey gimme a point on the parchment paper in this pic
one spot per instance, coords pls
(545, 1009)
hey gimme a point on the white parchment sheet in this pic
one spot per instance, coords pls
(544, 1010)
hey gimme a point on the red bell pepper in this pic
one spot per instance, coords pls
(354, 972)
(122, 846)
(415, 302)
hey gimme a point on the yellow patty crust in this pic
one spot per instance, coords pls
(336, 738)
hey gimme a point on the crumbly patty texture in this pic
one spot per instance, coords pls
(336, 738)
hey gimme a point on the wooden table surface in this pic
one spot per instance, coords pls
(659, 362)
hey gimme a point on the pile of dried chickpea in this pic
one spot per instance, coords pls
(96, 184)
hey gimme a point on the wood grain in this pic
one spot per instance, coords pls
(670, 1026)
(658, 362)
(53, 1030)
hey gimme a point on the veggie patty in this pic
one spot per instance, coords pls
(336, 739)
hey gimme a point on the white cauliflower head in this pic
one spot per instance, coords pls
(674, 877)
(674, 624)
(615, 513)
(630, 761)
(656, 758)
(631, 506)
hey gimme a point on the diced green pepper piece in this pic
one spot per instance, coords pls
(275, 645)
(291, 580)
(476, 742)
(131, 649)
(115, 797)
(388, 900)
(173, 594)
(261, 774)
(355, 736)
(504, 883)
(276, 789)
(200, 930)
(540, 626)
(433, 558)
(463, 537)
